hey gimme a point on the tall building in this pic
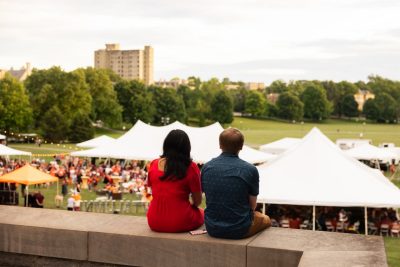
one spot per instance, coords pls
(129, 64)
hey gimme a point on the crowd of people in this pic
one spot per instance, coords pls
(72, 172)
(336, 219)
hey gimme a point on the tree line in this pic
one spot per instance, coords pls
(64, 105)
(318, 100)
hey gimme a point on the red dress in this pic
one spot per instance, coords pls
(170, 210)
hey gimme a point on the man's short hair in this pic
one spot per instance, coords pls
(231, 140)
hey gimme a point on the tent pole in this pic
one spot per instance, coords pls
(264, 208)
(27, 195)
(366, 220)
(58, 188)
(313, 215)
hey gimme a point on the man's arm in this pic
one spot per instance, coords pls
(253, 202)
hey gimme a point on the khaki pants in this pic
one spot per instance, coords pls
(260, 222)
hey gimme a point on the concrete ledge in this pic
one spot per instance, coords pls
(58, 243)
(43, 237)
(290, 247)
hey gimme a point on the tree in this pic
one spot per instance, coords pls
(81, 130)
(387, 107)
(186, 94)
(105, 106)
(136, 100)
(272, 109)
(255, 104)
(168, 104)
(15, 110)
(53, 125)
(199, 107)
(349, 106)
(277, 86)
(222, 107)
(289, 107)
(64, 94)
(239, 98)
(380, 85)
(194, 82)
(381, 109)
(336, 92)
(296, 87)
(371, 110)
(316, 105)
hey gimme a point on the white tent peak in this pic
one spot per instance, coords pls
(8, 151)
(144, 142)
(96, 142)
(317, 172)
(280, 146)
(370, 152)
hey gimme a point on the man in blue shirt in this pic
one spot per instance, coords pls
(231, 188)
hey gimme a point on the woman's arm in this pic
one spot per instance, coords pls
(197, 197)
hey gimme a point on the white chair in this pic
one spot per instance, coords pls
(340, 227)
(329, 226)
(384, 230)
(274, 223)
(285, 223)
(395, 231)
(305, 225)
(356, 227)
(372, 229)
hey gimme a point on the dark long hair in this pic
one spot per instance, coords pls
(176, 151)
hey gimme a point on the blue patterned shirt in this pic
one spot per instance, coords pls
(227, 182)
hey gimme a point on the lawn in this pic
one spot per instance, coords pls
(258, 132)
(392, 245)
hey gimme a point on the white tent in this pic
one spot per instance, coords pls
(370, 152)
(2, 137)
(97, 142)
(144, 142)
(317, 173)
(280, 146)
(8, 151)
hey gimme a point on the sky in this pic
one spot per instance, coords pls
(247, 40)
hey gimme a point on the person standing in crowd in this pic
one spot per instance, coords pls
(173, 178)
(231, 187)
(64, 188)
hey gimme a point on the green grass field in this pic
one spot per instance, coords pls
(392, 245)
(258, 132)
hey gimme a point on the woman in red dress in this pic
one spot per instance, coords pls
(173, 178)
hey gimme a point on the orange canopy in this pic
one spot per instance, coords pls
(27, 175)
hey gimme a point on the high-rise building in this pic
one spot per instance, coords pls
(129, 64)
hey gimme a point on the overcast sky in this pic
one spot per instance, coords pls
(248, 40)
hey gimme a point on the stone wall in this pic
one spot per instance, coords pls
(41, 237)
